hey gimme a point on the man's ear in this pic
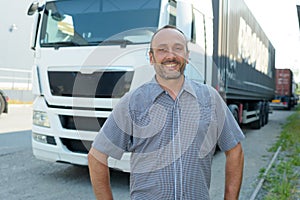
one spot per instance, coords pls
(151, 57)
(187, 57)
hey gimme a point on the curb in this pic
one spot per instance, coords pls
(19, 105)
(258, 187)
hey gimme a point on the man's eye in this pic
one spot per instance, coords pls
(162, 50)
(178, 48)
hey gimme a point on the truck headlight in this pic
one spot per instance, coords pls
(40, 118)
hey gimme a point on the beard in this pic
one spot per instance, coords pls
(169, 73)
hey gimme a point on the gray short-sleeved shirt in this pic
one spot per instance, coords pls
(172, 141)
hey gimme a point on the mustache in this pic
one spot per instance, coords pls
(170, 61)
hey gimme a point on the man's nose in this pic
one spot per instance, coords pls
(170, 54)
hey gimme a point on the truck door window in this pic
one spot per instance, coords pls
(196, 69)
(198, 28)
(172, 13)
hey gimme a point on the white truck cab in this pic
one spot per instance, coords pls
(89, 53)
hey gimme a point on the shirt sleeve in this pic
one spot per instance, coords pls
(114, 137)
(230, 133)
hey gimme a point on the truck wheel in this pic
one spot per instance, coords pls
(289, 106)
(234, 110)
(257, 124)
(267, 118)
(2, 104)
(260, 122)
(262, 117)
(267, 113)
(236, 116)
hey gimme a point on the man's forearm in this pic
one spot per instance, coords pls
(234, 172)
(99, 174)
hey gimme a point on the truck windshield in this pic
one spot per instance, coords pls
(93, 22)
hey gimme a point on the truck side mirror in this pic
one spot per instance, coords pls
(32, 10)
(34, 7)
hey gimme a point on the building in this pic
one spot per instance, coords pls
(16, 57)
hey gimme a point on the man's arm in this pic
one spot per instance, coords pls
(99, 174)
(234, 172)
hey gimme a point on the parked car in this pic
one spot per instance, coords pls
(3, 102)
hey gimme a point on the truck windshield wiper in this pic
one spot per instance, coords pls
(57, 45)
(120, 42)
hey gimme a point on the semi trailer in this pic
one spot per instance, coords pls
(285, 96)
(88, 54)
(245, 59)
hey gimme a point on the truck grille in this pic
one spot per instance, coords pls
(108, 84)
(81, 123)
(77, 146)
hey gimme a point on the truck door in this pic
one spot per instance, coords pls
(192, 22)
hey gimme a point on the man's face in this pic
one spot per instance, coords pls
(169, 55)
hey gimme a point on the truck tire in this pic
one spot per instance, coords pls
(236, 115)
(2, 104)
(267, 118)
(260, 122)
(257, 124)
(235, 111)
(266, 113)
(263, 115)
(289, 106)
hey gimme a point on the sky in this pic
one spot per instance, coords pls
(279, 20)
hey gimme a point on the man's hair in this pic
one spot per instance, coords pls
(166, 27)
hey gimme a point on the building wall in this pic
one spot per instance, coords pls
(16, 57)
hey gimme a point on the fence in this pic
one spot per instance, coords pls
(17, 84)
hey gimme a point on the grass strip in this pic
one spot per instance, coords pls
(282, 180)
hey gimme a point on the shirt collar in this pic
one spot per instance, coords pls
(157, 89)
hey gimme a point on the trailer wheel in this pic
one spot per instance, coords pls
(257, 124)
(289, 106)
(236, 115)
(2, 104)
(260, 122)
(267, 118)
(234, 110)
(262, 117)
(266, 113)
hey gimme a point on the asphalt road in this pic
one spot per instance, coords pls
(24, 177)
(255, 146)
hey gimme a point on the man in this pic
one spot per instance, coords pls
(171, 125)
